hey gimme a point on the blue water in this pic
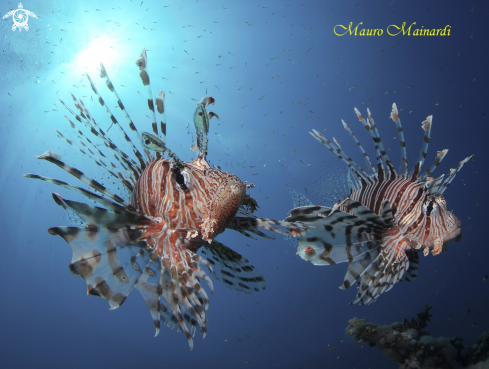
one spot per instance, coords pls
(46, 319)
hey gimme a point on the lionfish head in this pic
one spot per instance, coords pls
(217, 196)
(224, 203)
(443, 223)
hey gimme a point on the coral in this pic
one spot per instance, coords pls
(413, 348)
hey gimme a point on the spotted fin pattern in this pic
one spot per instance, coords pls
(113, 258)
(357, 237)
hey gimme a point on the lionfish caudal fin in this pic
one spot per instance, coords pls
(111, 252)
(371, 243)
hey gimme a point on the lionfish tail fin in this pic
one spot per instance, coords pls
(232, 269)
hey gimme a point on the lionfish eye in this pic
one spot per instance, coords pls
(179, 178)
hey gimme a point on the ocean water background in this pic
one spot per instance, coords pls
(276, 70)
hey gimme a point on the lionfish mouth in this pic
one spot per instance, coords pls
(455, 234)
(225, 205)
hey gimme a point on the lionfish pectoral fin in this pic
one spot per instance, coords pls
(356, 238)
(386, 269)
(113, 259)
(158, 290)
(252, 224)
(98, 216)
(336, 238)
(109, 260)
(232, 269)
(412, 273)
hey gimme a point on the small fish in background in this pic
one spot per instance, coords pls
(377, 219)
(149, 240)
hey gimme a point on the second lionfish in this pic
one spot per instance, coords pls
(150, 241)
(381, 218)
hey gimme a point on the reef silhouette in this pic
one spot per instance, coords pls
(413, 348)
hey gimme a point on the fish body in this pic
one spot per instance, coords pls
(382, 220)
(149, 241)
(211, 196)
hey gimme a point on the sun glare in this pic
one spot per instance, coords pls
(99, 50)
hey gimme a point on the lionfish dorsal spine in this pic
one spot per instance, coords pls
(131, 167)
(378, 141)
(395, 117)
(142, 63)
(453, 173)
(113, 206)
(201, 123)
(341, 155)
(114, 120)
(84, 178)
(89, 122)
(381, 170)
(152, 142)
(426, 126)
(370, 166)
(125, 181)
(440, 155)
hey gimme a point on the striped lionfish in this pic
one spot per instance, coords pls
(150, 241)
(384, 218)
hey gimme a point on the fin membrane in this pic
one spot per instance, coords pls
(232, 269)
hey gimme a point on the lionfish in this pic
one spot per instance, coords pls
(150, 241)
(382, 218)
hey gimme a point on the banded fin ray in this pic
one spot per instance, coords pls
(113, 255)
(127, 182)
(385, 270)
(232, 269)
(338, 237)
(113, 119)
(426, 126)
(95, 216)
(412, 273)
(89, 194)
(384, 221)
(129, 162)
(402, 142)
(105, 259)
(251, 224)
(84, 178)
(379, 146)
(342, 156)
(370, 166)
(142, 63)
